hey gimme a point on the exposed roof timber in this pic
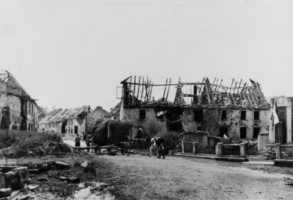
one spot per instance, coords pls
(125, 80)
(217, 86)
(204, 93)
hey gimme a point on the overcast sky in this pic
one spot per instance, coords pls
(69, 53)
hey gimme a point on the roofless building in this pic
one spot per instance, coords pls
(238, 110)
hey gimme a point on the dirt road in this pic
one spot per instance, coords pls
(142, 177)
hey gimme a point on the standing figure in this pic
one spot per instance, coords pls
(160, 147)
(77, 141)
(153, 145)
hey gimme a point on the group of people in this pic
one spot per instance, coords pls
(87, 139)
(157, 144)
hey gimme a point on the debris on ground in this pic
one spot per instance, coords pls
(53, 178)
(270, 154)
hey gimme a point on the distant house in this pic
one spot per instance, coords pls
(18, 110)
(95, 116)
(65, 121)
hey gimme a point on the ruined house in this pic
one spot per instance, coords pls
(238, 110)
(66, 121)
(18, 110)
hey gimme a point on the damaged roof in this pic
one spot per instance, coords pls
(60, 115)
(10, 86)
(141, 92)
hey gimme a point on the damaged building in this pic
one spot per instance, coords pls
(18, 110)
(65, 121)
(238, 110)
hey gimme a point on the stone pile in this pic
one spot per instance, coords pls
(12, 178)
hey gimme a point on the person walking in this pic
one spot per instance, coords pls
(88, 142)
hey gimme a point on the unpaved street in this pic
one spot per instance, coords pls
(180, 178)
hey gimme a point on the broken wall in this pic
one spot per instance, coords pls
(211, 122)
(14, 105)
(188, 122)
(234, 123)
(150, 123)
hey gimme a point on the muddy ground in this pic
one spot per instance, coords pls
(143, 177)
(180, 178)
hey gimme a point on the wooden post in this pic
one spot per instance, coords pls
(165, 89)
(142, 85)
(182, 144)
(168, 89)
(133, 95)
(146, 89)
(151, 91)
(278, 151)
(138, 87)
(195, 100)
(194, 144)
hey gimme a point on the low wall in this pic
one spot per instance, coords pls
(231, 149)
(282, 151)
(287, 150)
(200, 138)
(262, 141)
(189, 147)
(212, 141)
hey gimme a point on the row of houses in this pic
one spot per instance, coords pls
(70, 122)
(19, 111)
(239, 111)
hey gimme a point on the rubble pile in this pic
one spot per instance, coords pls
(53, 178)
(48, 148)
(12, 178)
(270, 154)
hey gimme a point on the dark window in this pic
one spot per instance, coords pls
(242, 132)
(198, 116)
(142, 114)
(256, 115)
(199, 128)
(243, 115)
(224, 115)
(75, 129)
(223, 131)
(256, 131)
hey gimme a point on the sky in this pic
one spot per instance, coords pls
(70, 53)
